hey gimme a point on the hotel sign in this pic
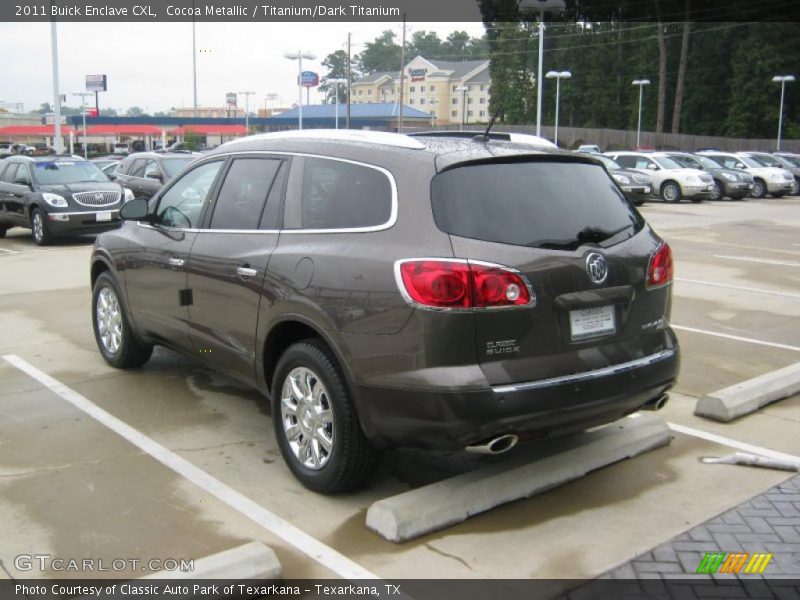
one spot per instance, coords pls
(417, 74)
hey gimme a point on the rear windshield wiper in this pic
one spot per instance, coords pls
(596, 234)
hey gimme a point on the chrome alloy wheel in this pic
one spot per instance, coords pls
(307, 417)
(38, 226)
(109, 320)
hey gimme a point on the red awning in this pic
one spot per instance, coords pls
(32, 130)
(121, 130)
(210, 130)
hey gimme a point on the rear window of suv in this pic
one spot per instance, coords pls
(557, 205)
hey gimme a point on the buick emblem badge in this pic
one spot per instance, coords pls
(98, 196)
(597, 268)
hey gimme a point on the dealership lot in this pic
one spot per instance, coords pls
(74, 488)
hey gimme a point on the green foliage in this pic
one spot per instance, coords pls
(382, 54)
(135, 111)
(728, 87)
(192, 140)
(336, 63)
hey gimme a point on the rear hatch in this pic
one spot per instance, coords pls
(584, 249)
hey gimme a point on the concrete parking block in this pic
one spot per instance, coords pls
(746, 397)
(248, 561)
(432, 507)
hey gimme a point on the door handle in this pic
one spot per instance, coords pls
(176, 262)
(246, 272)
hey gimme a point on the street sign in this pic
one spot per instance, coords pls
(309, 79)
(96, 83)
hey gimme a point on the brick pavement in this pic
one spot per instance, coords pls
(767, 523)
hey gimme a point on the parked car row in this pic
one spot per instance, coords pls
(712, 174)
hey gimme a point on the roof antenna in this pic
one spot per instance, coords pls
(484, 137)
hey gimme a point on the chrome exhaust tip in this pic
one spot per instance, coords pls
(496, 445)
(658, 403)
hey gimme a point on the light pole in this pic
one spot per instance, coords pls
(83, 112)
(558, 76)
(463, 89)
(542, 6)
(246, 109)
(433, 102)
(641, 83)
(299, 56)
(782, 79)
(336, 81)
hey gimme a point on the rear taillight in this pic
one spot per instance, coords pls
(659, 271)
(460, 284)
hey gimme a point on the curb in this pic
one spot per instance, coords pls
(747, 397)
(432, 507)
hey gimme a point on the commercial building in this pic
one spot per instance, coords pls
(456, 92)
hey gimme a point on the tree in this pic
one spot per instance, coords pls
(382, 54)
(336, 63)
(426, 44)
(108, 112)
(135, 111)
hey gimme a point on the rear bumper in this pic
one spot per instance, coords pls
(446, 419)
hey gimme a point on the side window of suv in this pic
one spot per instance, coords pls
(643, 163)
(137, 168)
(626, 161)
(241, 199)
(342, 195)
(150, 168)
(181, 205)
(23, 176)
(10, 173)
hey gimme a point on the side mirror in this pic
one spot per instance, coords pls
(134, 210)
(154, 176)
(22, 181)
(740, 166)
(652, 167)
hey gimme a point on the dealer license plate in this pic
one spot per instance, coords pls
(591, 322)
(104, 216)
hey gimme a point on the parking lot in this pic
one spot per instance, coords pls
(76, 483)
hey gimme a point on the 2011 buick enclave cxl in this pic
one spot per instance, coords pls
(387, 291)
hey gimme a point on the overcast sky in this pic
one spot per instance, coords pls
(150, 65)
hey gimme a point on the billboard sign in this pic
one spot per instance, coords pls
(230, 100)
(96, 83)
(309, 79)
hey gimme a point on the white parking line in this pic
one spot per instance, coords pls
(735, 337)
(765, 261)
(739, 287)
(323, 554)
(718, 439)
(9, 251)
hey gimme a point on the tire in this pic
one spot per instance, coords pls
(719, 191)
(112, 331)
(3, 230)
(759, 188)
(338, 457)
(39, 228)
(671, 192)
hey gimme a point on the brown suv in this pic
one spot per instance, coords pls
(387, 291)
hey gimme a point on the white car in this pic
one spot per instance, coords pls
(766, 180)
(671, 180)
